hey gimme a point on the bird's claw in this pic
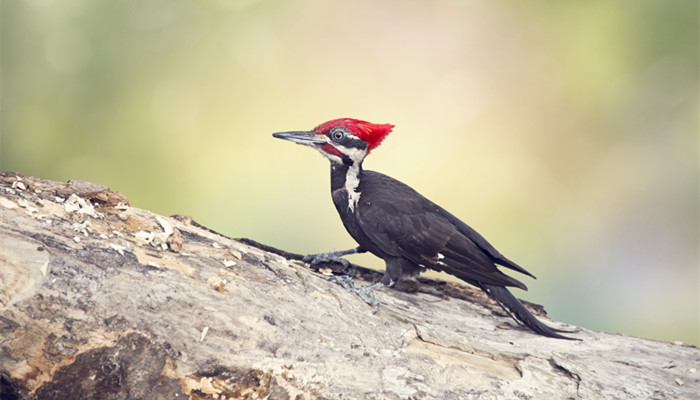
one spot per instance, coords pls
(331, 256)
(366, 293)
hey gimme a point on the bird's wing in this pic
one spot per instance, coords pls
(483, 244)
(410, 226)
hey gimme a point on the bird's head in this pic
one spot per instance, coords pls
(343, 141)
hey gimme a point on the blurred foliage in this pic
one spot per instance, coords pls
(565, 132)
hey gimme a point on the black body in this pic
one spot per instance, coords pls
(408, 231)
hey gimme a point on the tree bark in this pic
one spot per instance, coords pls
(100, 300)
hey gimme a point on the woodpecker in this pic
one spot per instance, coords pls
(397, 224)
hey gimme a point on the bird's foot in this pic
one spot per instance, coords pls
(331, 256)
(366, 293)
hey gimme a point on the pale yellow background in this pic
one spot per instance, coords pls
(564, 131)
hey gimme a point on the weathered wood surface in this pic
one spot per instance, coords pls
(101, 300)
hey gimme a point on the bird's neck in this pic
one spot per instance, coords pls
(341, 173)
(347, 177)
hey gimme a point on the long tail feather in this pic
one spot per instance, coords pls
(518, 312)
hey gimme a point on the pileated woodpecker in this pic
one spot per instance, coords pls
(397, 224)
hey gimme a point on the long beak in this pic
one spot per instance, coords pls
(306, 138)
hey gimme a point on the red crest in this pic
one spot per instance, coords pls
(372, 134)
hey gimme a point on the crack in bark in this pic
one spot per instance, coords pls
(503, 366)
(470, 351)
(566, 372)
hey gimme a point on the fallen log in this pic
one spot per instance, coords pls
(100, 300)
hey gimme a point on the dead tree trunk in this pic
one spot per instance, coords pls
(99, 300)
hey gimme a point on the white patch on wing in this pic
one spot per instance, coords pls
(352, 181)
(440, 256)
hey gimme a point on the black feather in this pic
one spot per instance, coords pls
(517, 311)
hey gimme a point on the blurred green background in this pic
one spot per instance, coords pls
(565, 132)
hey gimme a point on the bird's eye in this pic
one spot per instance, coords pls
(338, 134)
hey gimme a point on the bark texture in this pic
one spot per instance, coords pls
(99, 300)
